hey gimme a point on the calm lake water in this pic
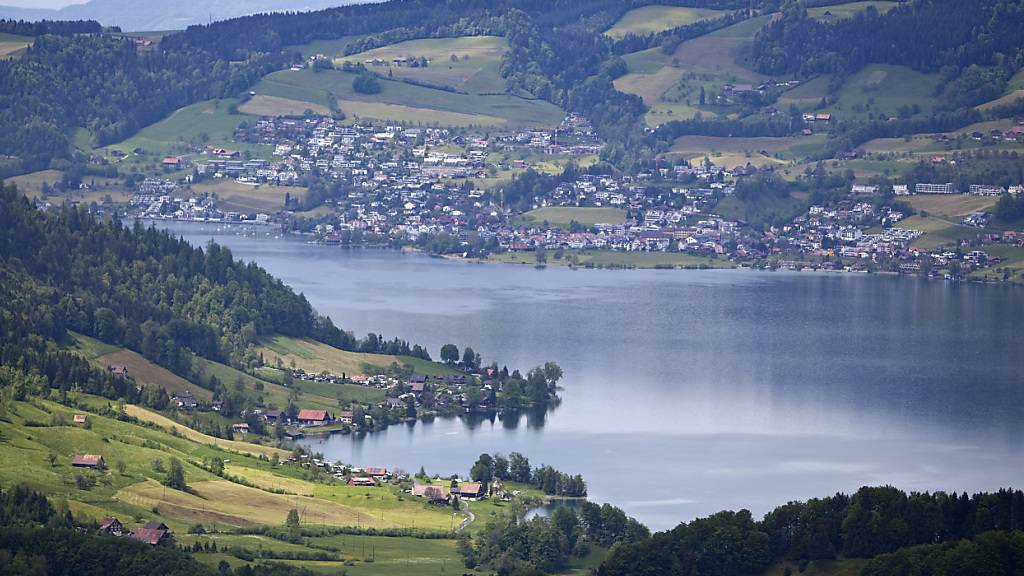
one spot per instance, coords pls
(689, 392)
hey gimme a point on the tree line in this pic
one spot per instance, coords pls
(870, 523)
(516, 468)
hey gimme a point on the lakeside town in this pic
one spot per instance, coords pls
(390, 185)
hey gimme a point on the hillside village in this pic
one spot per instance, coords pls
(395, 185)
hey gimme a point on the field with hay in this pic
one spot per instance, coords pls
(761, 151)
(248, 198)
(409, 103)
(315, 357)
(273, 106)
(849, 9)
(649, 19)
(562, 216)
(12, 45)
(467, 63)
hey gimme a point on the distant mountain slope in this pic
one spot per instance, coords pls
(132, 15)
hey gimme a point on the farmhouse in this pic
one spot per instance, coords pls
(113, 527)
(471, 490)
(79, 418)
(364, 481)
(152, 533)
(376, 471)
(240, 427)
(432, 494)
(185, 400)
(94, 461)
(314, 417)
(118, 370)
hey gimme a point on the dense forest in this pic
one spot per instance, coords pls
(904, 533)
(139, 288)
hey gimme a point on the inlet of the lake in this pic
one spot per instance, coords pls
(688, 392)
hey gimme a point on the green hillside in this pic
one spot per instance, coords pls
(468, 63)
(402, 102)
(648, 19)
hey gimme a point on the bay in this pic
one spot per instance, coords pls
(688, 392)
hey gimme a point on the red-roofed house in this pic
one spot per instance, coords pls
(151, 536)
(314, 417)
(471, 490)
(376, 471)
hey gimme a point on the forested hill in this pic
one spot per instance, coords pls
(96, 89)
(918, 533)
(136, 287)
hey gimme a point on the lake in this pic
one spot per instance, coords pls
(689, 392)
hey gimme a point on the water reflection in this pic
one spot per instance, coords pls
(717, 388)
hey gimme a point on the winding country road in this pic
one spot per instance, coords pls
(470, 517)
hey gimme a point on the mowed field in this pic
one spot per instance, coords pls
(144, 372)
(467, 63)
(648, 19)
(248, 198)
(207, 123)
(937, 231)
(274, 106)
(147, 415)
(411, 104)
(951, 205)
(849, 9)
(877, 88)
(563, 216)
(732, 152)
(12, 44)
(104, 188)
(724, 52)
(315, 357)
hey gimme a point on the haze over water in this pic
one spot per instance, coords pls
(688, 392)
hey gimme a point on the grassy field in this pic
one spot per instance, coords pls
(358, 109)
(732, 152)
(670, 85)
(474, 69)
(1012, 264)
(131, 490)
(316, 357)
(143, 371)
(274, 106)
(877, 88)
(248, 198)
(951, 205)
(12, 45)
(648, 19)
(103, 189)
(849, 9)
(207, 123)
(562, 216)
(330, 48)
(409, 103)
(147, 415)
(937, 231)
(614, 259)
(724, 52)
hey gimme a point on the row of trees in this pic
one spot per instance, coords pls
(509, 546)
(516, 468)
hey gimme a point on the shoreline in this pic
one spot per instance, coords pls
(563, 263)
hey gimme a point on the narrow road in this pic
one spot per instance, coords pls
(470, 517)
